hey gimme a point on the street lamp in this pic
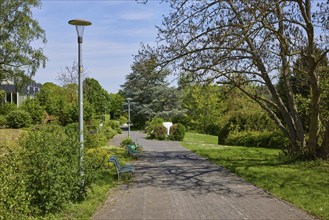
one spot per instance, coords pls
(79, 25)
(129, 99)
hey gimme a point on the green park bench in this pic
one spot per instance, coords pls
(132, 152)
(121, 169)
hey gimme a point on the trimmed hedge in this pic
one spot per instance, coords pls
(266, 139)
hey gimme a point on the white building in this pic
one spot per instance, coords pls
(13, 95)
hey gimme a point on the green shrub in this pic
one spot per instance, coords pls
(69, 114)
(115, 125)
(33, 107)
(98, 136)
(122, 120)
(50, 157)
(95, 139)
(43, 175)
(3, 121)
(126, 141)
(265, 139)
(14, 197)
(177, 132)
(212, 129)
(7, 107)
(18, 119)
(159, 133)
(97, 158)
(223, 133)
(109, 132)
(152, 124)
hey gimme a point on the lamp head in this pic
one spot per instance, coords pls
(79, 25)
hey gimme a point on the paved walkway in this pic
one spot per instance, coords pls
(171, 182)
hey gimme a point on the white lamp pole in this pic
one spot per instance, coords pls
(80, 24)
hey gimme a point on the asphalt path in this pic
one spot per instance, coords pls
(172, 182)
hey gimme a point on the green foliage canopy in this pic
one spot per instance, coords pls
(204, 105)
(96, 95)
(18, 59)
(116, 103)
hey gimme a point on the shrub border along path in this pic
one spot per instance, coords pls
(174, 183)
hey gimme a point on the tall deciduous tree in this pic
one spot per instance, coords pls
(204, 105)
(19, 60)
(116, 104)
(253, 42)
(96, 95)
(62, 102)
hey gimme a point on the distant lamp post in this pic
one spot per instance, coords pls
(129, 99)
(80, 24)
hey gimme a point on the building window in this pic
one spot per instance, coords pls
(8, 97)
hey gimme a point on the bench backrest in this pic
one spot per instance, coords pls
(115, 161)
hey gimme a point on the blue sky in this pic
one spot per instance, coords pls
(118, 27)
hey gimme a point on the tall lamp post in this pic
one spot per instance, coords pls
(129, 99)
(80, 24)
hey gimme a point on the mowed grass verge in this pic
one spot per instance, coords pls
(304, 184)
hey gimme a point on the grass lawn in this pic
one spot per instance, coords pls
(9, 137)
(304, 184)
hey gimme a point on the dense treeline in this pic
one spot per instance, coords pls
(221, 110)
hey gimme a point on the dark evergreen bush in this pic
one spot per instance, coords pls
(223, 133)
(177, 132)
(18, 119)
